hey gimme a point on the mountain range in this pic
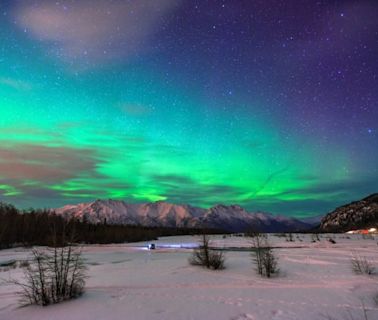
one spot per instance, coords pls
(231, 218)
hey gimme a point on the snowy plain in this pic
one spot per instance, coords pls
(127, 281)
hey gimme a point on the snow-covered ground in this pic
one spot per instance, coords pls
(129, 282)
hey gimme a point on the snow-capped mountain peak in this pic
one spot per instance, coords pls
(230, 218)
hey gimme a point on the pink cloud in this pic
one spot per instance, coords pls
(92, 31)
(44, 164)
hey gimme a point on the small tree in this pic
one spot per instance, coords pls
(361, 265)
(258, 241)
(269, 262)
(204, 256)
(53, 274)
(263, 255)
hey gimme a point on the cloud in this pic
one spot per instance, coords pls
(16, 84)
(43, 164)
(46, 170)
(87, 32)
(33, 174)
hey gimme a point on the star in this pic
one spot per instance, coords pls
(199, 103)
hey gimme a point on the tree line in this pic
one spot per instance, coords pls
(39, 227)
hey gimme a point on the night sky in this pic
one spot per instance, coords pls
(272, 105)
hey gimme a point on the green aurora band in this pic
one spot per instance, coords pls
(133, 133)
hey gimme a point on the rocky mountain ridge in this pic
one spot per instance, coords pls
(231, 218)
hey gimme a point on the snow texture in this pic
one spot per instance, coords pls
(127, 281)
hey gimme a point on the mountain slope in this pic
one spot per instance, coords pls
(230, 218)
(119, 212)
(356, 215)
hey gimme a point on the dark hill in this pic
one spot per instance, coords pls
(360, 214)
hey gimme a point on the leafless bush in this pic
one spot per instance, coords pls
(361, 265)
(258, 241)
(290, 237)
(315, 237)
(53, 275)
(204, 256)
(269, 262)
(263, 255)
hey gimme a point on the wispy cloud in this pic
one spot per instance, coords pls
(16, 84)
(85, 33)
(43, 164)
(29, 173)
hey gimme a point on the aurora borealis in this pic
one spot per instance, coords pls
(269, 104)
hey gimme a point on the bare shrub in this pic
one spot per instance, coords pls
(263, 255)
(315, 237)
(258, 241)
(207, 257)
(290, 237)
(361, 265)
(269, 262)
(53, 275)
(216, 260)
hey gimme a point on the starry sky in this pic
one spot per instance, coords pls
(269, 104)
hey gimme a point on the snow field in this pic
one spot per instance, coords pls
(126, 281)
